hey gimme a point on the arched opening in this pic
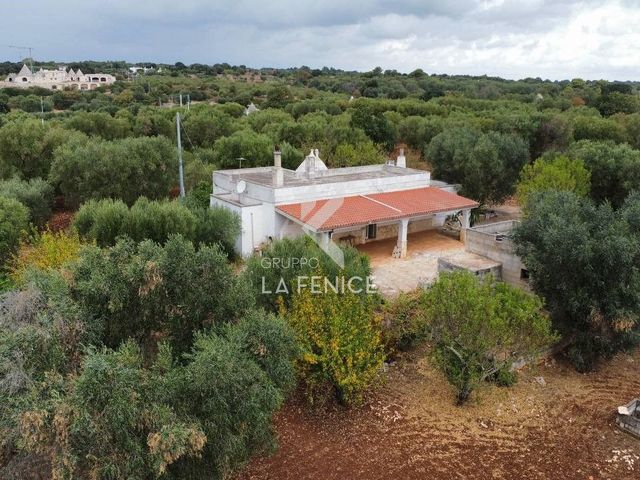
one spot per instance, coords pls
(103, 79)
(24, 79)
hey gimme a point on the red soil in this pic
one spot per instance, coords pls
(561, 427)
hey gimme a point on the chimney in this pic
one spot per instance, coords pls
(278, 173)
(311, 163)
(401, 160)
(277, 157)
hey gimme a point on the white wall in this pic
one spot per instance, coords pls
(226, 183)
(255, 224)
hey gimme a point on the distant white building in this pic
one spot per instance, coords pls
(251, 108)
(136, 70)
(56, 79)
(350, 205)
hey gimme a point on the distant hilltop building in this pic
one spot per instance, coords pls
(57, 79)
(136, 70)
(251, 108)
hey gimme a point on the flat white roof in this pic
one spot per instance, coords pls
(264, 175)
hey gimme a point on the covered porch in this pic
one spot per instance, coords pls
(362, 219)
(393, 276)
(398, 230)
(418, 244)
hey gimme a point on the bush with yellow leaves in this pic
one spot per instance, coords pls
(341, 344)
(47, 251)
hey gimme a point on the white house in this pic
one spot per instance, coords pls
(57, 79)
(351, 205)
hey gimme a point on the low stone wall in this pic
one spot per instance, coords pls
(451, 265)
(493, 241)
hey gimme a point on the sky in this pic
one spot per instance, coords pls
(559, 39)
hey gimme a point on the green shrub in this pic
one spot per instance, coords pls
(35, 194)
(14, 220)
(216, 225)
(404, 323)
(157, 220)
(143, 409)
(116, 417)
(234, 406)
(505, 378)
(340, 342)
(27, 147)
(480, 328)
(141, 290)
(105, 220)
(270, 342)
(113, 409)
(560, 174)
(101, 221)
(100, 124)
(486, 164)
(121, 169)
(199, 196)
(615, 169)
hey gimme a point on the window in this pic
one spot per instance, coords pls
(372, 231)
(524, 274)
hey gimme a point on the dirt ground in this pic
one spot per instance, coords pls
(554, 424)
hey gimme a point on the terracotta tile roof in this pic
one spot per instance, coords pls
(329, 214)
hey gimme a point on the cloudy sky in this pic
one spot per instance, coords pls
(554, 39)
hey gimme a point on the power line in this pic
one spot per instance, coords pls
(30, 54)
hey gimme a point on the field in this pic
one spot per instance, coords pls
(554, 424)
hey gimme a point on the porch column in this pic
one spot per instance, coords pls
(465, 223)
(403, 227)
(325, 240)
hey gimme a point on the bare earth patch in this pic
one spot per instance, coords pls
(554, 424)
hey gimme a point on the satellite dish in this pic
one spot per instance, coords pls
(241, 186)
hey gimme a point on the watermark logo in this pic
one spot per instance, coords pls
(315, 215)
(320, 284)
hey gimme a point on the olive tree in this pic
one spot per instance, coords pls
(141, 290)
(124, 169)
(585, 261)
(480, 327)
(36, 194)
(487, 165)
(14, 220)
(558, 173)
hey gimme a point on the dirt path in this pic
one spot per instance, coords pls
(561, 427)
